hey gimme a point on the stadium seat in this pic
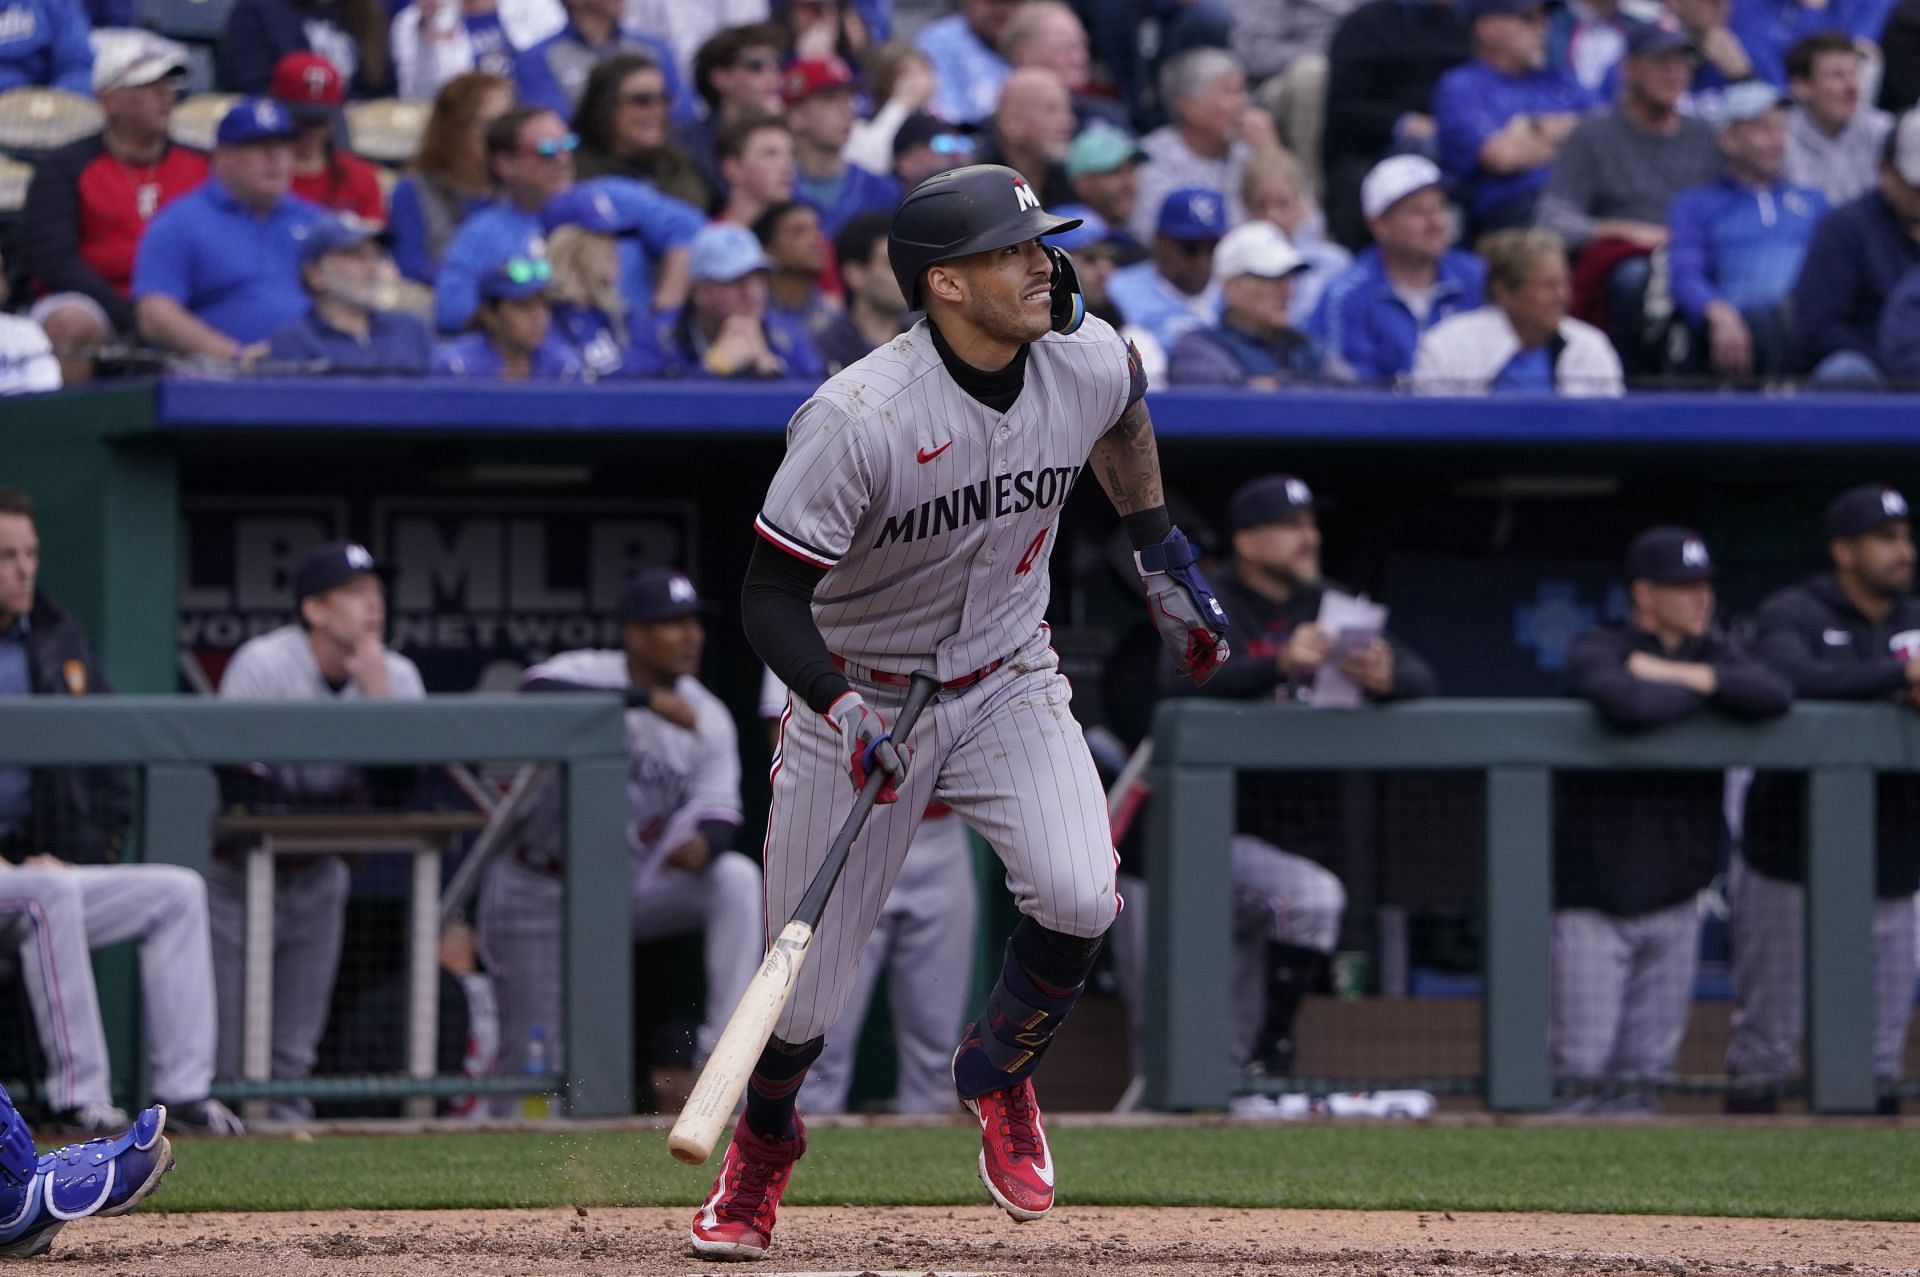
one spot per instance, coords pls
(388, 130)
(203, 20)
(38, 119)
(14, 176)
(195, 119)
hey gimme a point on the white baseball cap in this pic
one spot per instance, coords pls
(1395, 178)
(1256, 248)
(140, 58)
(1906, 148)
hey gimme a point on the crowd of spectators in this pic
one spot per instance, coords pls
(1729, 186)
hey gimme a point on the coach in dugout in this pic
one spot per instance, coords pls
(1632, 850)
(1852, 634)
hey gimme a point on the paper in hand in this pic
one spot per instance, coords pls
(1351, 623)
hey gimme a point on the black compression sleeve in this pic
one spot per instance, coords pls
(776, 610)
(1147, 527)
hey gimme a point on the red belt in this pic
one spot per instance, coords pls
(887, 679)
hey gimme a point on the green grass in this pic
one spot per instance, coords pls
(1838, 1173)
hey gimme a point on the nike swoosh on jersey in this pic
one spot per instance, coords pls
(924, 456)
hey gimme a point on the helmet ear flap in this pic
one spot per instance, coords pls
(1069, 306)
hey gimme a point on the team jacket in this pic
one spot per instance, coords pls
(1630, 842)
(1821, 643)
(80, 814)
(85, 214)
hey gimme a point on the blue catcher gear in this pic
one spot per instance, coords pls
(105, 1177)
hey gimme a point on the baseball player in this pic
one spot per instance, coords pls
(334, 650)
(923, 941)
(907, 528)
(1633, 850)
(683, 791)
(42, 1193)
(1849, 634)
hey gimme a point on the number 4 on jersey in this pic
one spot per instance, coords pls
(1033, 552)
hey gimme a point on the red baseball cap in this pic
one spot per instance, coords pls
(814, 75)
(308, 86)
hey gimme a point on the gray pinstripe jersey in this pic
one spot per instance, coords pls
(932, 513)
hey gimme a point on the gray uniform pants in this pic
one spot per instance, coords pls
(1278, 898)
(309, 920)
(1769, 977)
(57, 916)
(1622, 991)
(520, 931)
(924, 942)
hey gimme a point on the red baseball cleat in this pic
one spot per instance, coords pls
(1015, 1163)
(736, 1221)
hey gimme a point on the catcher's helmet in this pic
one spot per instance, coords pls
(971, 210)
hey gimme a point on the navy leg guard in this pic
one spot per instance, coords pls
(1040, 980)
(775, 1086)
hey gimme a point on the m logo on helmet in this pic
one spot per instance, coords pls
(1024, 197)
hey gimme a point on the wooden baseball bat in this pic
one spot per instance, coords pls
(724, 1079)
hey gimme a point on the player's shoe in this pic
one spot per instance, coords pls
(1015, 1163)
(736, 1221)
(102, 1177)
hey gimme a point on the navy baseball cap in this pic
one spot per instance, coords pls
(332, 564)
(517, 278)
(1193, 212)
(1273, 498)
(1651, 39)
(255, 120)
(1669, 556)
(588, 207)
(946, 139)
(1862, 509)
(338, 234)
(658, 594)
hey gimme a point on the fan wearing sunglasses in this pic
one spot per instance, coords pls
(531, 155)
(513, 339)
(737, 74)
(623, 125)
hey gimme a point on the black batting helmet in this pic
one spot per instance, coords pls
(964, 210)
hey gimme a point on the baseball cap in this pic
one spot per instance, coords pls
(1256, 248)
(1473, 10)
(1193, 212)
(331, 564)
(1102, 148)
(1651, 39)
(1092, 229)
(586, 206)
(1272, 498)
(517, 278)
(337, 234)
(658, 594)
(814, 75)
(921, 128)
(1395, 178)
(1864, 508)
(142, 58)
(1903, 148)
(1749, 100)
(255, 120)
(1669, 556)
(308, 86)
(723, 253)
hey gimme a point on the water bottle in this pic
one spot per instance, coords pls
(536, 1105)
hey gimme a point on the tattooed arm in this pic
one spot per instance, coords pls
(1127, 462)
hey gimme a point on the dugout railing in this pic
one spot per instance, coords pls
(174, 741)
(1202, 747)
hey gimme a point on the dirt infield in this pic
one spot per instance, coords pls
(1123, 1243)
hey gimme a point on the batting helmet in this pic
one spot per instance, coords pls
(971, 210)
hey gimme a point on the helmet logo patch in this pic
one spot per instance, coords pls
(1024, 198)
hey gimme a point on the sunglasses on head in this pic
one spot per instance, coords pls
(555, 146)
(643, 97)
(950, 144)
(528, 270)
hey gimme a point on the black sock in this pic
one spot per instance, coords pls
(1292, 973)
(775, 1085)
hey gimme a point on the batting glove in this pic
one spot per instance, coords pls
(1191, 621)
(863, 733)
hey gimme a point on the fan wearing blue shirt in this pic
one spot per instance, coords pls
(530, 153)
(1737, 245)
(967, 67)
(344, 264)
(819, 97)
(218, 270)
(726, 328)
(1768, 28)
(1372, 313)
(513, 339)
(1503, 116)
(553, 73)
(1173, 292)
(45, 42)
